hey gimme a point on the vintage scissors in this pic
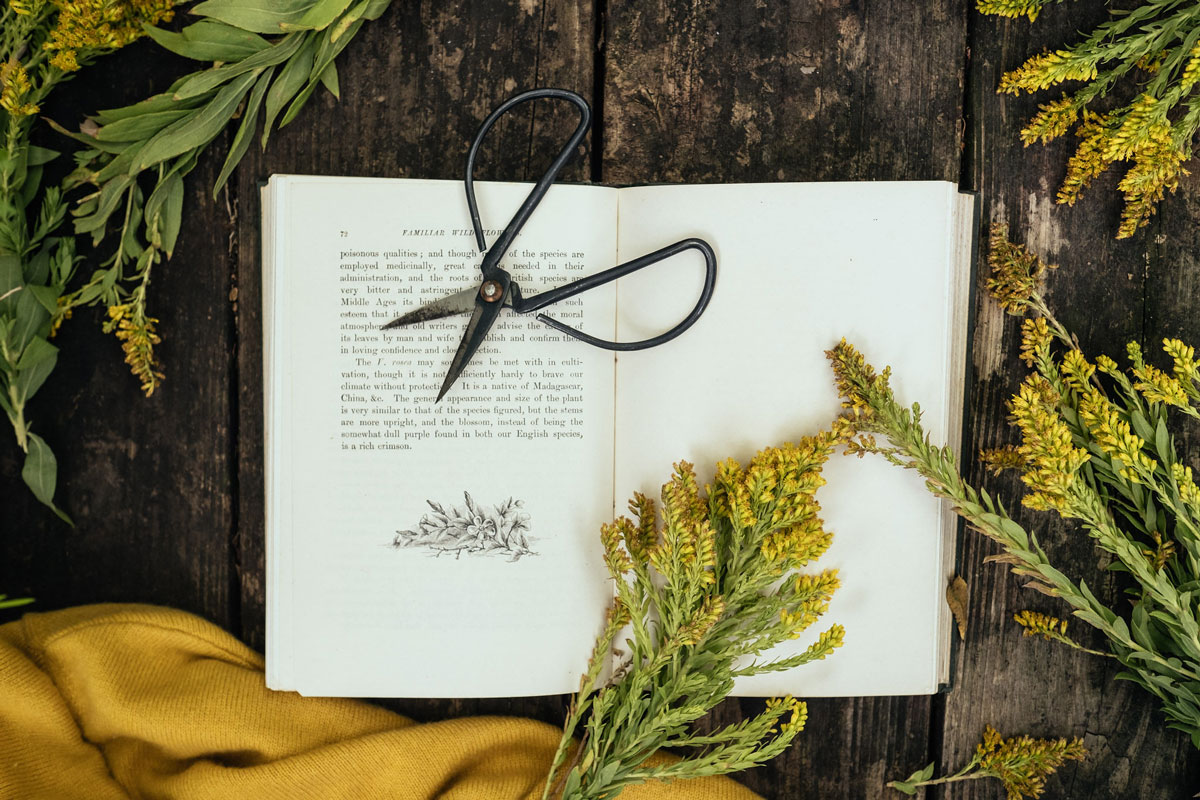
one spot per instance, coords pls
(498, 289)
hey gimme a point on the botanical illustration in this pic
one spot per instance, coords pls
(501, 530)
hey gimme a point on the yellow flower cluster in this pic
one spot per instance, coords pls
(15, 89)
(1159, 387)
(1052, 461)
(1035, 341)
(702, 620)
(1088, 160)
(137, 336)
(1183, 359)
(1016, 272)
(998, 459)
(1142, 135)
(1144, 121)
(795, 534)
(1046, 70)
(84, 27)
(1188, 491)
(686, 547)
(1038, 624)
(611, 536)
(1052, 120)
(798, 713)
(814, 593)
(1022, 763)
(1011, 8)
(1077, 371)
(1157, 168)
(1107, 365)
(1113, 436)
(1191, 70)
(1161, 553)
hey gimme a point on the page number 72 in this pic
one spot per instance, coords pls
(343, 234)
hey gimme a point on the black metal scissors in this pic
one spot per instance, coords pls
(498, 289)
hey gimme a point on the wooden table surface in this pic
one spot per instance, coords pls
(168, 492)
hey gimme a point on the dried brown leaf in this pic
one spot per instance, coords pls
(956, 598)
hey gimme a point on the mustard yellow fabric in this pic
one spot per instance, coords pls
(112, 702)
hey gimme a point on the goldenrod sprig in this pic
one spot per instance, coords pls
(1095, 447)
(41, 43)
(267, 58)
(136, 158)
(1052, 629)
(706, 583)
(1021, 764)
(1159, 42)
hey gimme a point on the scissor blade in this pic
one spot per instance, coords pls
(458, 303)
(481, 322)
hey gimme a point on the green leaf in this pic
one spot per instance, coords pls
(198, 129)
(259, 16)
(375, 9)
(1141, 426)
(329, 79)
(298, 103)
(142, 126)
(291, 77)
(241, 140)
(210, 40)
(326, 53)
(159, 102)
(209, 79)
(172, 215)
(40, 155)
(31, 319)
(111, 195)
(923, 775)
(28, 381)
(10, 278)
(1162, 442)
(40, 473)
(351, 20)
(320, 16)
(37, 351)
(903, 786)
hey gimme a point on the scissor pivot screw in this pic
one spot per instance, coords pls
(491, 291)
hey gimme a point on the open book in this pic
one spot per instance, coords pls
(452, 550)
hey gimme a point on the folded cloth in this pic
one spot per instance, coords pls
(132, 701)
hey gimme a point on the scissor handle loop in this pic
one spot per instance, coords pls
(523, 304)
(539, 189)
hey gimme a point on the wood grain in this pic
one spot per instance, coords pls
(793, 91)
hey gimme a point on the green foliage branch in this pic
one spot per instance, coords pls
(1020, 763)
(1152, 52)
(704, 587)
(267, 60)
(1096, 451)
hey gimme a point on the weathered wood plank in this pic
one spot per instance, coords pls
(1108, 293)
(793, 91)
(415, 87)
(149, 489)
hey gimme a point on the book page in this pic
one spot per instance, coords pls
(419, 549)
(800, 266)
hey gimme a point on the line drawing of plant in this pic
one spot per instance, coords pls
(501, 530)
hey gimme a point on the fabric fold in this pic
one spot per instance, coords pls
(120, 701)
